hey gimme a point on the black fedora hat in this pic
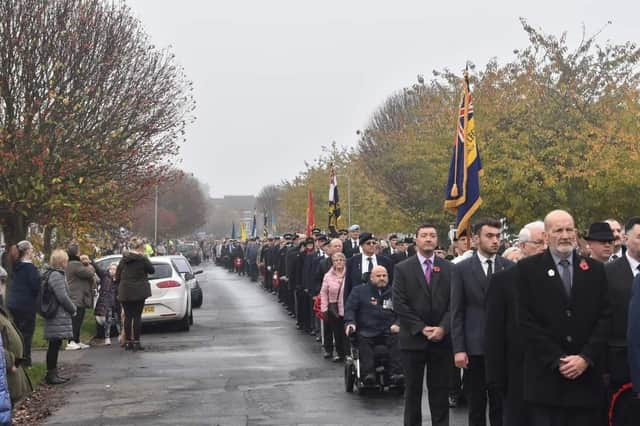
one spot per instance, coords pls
(599, 231)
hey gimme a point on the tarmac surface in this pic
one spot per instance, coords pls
(242, 363)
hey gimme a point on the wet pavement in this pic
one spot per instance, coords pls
(242, 363)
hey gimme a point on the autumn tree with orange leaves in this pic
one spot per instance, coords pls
(90, 113)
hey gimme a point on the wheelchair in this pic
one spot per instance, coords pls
(353, 380)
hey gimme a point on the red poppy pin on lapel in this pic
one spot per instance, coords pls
(584, 265)
(436, 269)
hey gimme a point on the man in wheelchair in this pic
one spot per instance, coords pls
(369, 312)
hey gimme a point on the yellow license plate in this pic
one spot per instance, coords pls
(148, 309)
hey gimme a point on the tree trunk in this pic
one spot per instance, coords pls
(15, 228)
(46, 241)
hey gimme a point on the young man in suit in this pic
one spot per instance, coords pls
(504, 350)
(351, 246)
(468, 289)
(565, 319)
(421, 293)
(620, 274)
(363, 263)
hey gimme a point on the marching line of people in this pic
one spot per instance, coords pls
(542, 335)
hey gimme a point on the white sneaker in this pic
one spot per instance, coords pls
(107, 341)
(83, 345)
(72, 346)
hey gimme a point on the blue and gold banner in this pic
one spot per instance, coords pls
(462, 196)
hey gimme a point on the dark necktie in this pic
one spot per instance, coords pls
(565, 274)
(370, 267)
(489, 268)
(427, 271)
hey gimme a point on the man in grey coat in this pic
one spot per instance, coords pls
(469, 285)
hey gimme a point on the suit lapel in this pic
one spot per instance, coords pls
(435, 276)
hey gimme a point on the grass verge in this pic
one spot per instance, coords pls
(87, 330)
(36, 373)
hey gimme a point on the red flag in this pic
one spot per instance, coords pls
(311, 221)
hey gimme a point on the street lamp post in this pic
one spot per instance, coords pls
(155, 220)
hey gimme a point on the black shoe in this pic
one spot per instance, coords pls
(453, 401)
(318, 339)
(137, 347)
(337, 358)
(369, 379)
(312, 332)
(52, 378)
(326, 354)
(128, 346)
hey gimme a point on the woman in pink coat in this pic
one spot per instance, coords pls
(332, 305)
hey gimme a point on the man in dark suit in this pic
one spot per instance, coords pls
(401, 252)
(565, 319)
(393, 246)
(421, 293)
(469, 285)
(620, 274)
(351, 246)
(504, 350)
(363, 263)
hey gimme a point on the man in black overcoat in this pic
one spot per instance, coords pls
(566, 320)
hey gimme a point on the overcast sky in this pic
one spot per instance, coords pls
(277, 79)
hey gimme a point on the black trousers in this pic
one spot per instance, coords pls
(76, 323)
(365, 348)
(302, 305)
(52, 354)
(133, 319)
(542, 415)
(334, 332)
(438, 365)
(474, 383)
(455, 386)
(26, 323)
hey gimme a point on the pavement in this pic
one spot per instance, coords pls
(242, 363)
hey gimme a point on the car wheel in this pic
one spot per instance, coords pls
(184, 323)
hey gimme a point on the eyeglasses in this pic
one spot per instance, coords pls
(371, 243)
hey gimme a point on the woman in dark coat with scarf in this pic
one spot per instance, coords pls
(133, 289)
(23, 292)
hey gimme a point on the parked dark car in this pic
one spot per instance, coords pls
(183, 266)
(190, 250)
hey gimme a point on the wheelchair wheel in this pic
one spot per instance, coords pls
(349, 377)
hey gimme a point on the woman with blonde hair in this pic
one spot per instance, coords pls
(133, 289)
(59, 327)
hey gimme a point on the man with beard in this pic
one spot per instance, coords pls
(565, 319)
(468, 289)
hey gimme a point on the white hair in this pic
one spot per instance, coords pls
(525, 232)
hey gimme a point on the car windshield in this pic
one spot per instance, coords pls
(186, 247)
(181, 265)
(162, 270)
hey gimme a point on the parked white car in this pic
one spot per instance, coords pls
(170, 299)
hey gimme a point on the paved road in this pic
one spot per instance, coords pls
(242, 363)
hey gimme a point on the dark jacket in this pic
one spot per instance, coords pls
(107, 295)
(504, 346)
(633, 335)
(24, 288)
(554, 325)
(620, 280)
(59, 327)
(419, 305)
(131, 276)
(371, 310)
(349, 249)
(354, 274)
(469, 285)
